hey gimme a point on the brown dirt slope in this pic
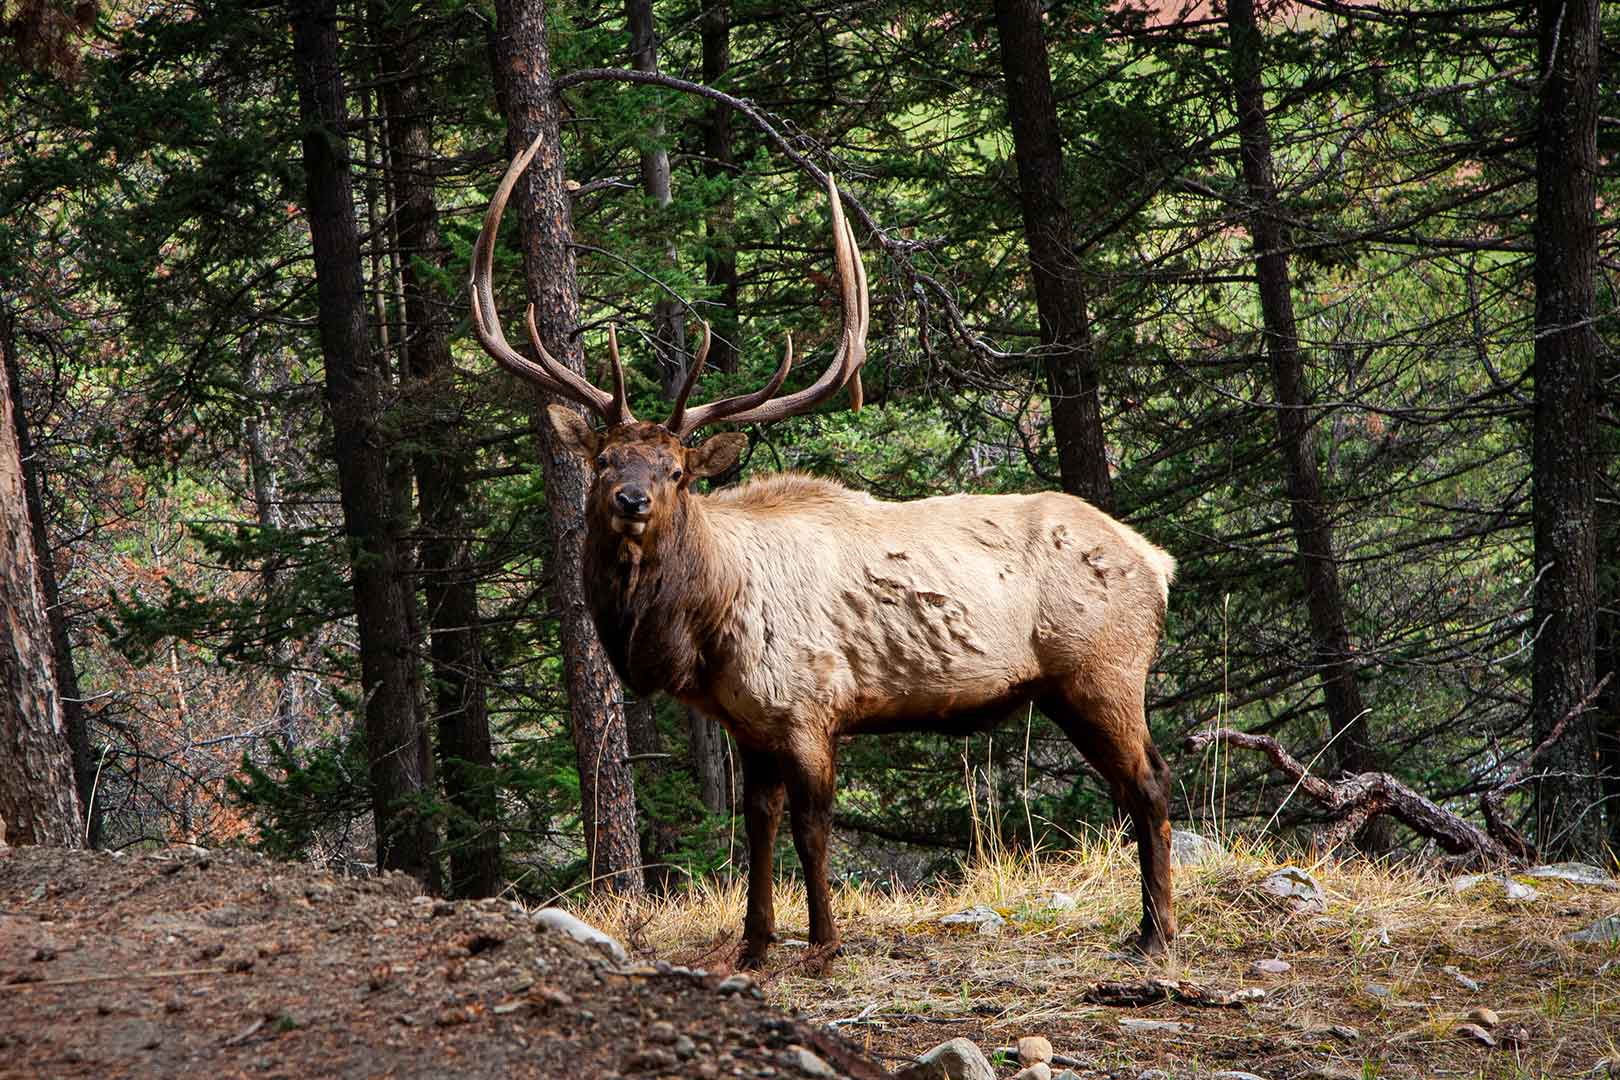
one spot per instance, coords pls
(190, 963)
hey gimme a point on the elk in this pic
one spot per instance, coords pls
(797, 611)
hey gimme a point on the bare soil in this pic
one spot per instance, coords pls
(222, 964)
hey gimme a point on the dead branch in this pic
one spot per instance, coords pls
(1352, 801)
(121, 976)
(1490, 803)
(1153, 991)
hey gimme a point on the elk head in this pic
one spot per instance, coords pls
(640, 469)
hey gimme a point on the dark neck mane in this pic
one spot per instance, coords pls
(659, 615)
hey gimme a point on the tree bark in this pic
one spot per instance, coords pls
(39, 802)
(449, 579)
(1313, 533)
(720, 258)
(75, 717)
(669, 329)
(596, 702)
(357, 388)
(1568, 818)
(1067, 352)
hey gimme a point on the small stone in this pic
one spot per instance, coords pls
(652, 1059)
(389, 923)
(1484, 1017)
(1270, 967)
(1514, 1038)
(1602, 932)
(806, 1062)
(581, 931)
(1153, 1074)
(1070, 1074)
(1189, 848)
(1061, 901)
(684, 1047)
(1038, 1071)
(735, 984)
(923, 1070)
(1343, 1032)
(1462, 980)
(961, 1059)
(1378, 990)
(985, 920)
(661, 1032)
(1296, 888)
(1476, 1033)
(1234, 1074)
(1575, 873)
(1033, 1048)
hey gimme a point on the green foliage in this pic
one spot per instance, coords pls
(305, 803)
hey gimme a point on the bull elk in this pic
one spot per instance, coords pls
(796, 611)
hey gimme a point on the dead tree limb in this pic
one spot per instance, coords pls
(1352, 801)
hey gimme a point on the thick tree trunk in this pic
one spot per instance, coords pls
(608, 805)
(449, 580)
(357, 389)
(75, 718)
(39, 802)
(1313, 533)
(1067, 353)
(720, 269)
(1568, 816)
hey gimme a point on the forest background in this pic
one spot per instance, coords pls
(1319, 297)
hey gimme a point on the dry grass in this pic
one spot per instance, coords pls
(1374, 961)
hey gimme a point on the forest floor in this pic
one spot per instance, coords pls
(1377, 984)
(187, 963)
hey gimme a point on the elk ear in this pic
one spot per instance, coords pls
(714, 456)
(573, 432)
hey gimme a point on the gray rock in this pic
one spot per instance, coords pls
(1575, 873)
(1378, 990)
(1070, 1074)
(1190, 849)
(1511, 890)
(1476, 1033)
(1270, 967)
(1602, 932)
(1061, 901)
(561, 921)
(805, 1062)
(986, 920)
(1296, 888)
(1153, 1074)
(1234, 1074)
(1462, 980)
(1038, 1071)
(735, 984)
(961, 1059)
(923, 1070)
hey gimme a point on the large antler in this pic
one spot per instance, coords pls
(845, 368)
(548, 373)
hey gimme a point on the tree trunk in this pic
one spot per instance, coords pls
(1067, 354)
(669, 329)
(449, 580)
(608, 806)
(75, 717)
(1565, 369)
(1313, 533)
(720, 261)
(357, 388)
(39, 802)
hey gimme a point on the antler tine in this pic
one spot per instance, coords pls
(548, 374)
(846, 362)
(678, 416)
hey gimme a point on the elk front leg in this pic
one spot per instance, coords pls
(763, 792)
(810, 784)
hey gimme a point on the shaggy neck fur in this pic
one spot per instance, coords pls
(660, 600)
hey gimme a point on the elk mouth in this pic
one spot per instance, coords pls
(630, 526)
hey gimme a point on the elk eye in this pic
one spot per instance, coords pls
(676, 476)
(601, 461)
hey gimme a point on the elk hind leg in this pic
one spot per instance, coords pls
(763, 793)
(1112, 733)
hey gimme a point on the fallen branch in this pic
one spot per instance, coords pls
(1154, 991)
(119, 977)
(1354, 800)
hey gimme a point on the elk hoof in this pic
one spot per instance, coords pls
(1151, 943)
(750, 959)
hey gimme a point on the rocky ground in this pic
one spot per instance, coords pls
(205, 964)
(221, 964)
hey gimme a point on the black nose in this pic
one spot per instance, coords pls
(632, 502)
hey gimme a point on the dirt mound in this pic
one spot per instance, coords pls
(217, 964)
